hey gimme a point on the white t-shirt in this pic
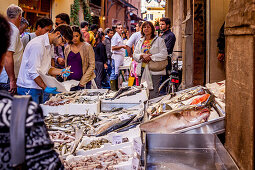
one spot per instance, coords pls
(117, 41)
(25, 39)
(17, 48)
(134, 39)
(36, 57)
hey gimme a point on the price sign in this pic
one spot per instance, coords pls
(124, 117)
(116, 139)
(135, 164)
(138, 146)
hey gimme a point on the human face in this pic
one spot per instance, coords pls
(86, 28)
(147, 30)
(58, 39)
(119, 29)
(22, 28)
(137, 28)
(76, 38)
(58, 22)
(163, 26)
(110, 34)
(44, 30)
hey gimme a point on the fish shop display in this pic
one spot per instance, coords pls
(91, 134)
(86, 137)
(189, 109)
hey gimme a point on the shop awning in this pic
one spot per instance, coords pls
(134, 17)
(127, 4)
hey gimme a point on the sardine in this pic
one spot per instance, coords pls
(172, 121)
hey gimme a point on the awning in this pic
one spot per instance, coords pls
(135, 17)
(127, 4)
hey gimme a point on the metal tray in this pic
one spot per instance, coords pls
(186, 152)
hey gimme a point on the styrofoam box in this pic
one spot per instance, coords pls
(137, 98)
(72, 109)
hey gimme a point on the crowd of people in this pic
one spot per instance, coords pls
(83, 53)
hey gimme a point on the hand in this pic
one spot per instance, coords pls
(13, 87)
(66, 72)
(124, 46)
(146, 58)
(61, 61)
(51, 90)
(105, 66)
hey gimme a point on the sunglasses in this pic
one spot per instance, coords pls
(64, 41)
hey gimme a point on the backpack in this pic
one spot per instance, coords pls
(25, 142)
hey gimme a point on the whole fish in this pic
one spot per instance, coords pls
(173, 121)
(117, 125)
(120, 91)
(129, 93)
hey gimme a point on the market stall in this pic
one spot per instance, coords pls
(113, 135)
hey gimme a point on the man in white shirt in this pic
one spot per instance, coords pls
(13, 55)
(43, 25)
(37, 57)
(118, 54)
(134, 39)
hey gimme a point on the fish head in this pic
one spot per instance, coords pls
(200, 115)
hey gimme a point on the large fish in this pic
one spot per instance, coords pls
(173, 121)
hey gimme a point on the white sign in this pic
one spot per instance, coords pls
(116, 139)
(138, 145)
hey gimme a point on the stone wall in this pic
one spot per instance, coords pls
(240, 106)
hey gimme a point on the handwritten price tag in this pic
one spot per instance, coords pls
(124, 117)
(116, 139)
(138, 146)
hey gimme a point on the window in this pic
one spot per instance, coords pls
(151, 17)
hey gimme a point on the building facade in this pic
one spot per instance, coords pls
(35, 9)
(196, 24)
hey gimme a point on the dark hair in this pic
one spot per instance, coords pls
(84, 24)
(94, 26)
(77, 29)
(99, 37)
(152, 28)
(118, 25)
(140, 23)
(64, 17)
(66, 31)
(43, 22)
(109, 30)
(166, 20)
(5, 32)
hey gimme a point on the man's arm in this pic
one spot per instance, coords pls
(40, 82)
(9, 67)
(114, 48)
(129, 51)
(54, 71)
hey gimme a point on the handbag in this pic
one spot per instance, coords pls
(157, 65)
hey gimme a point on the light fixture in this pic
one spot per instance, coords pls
(103, 18)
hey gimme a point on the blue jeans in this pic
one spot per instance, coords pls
(38, 95)
(113, 76)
